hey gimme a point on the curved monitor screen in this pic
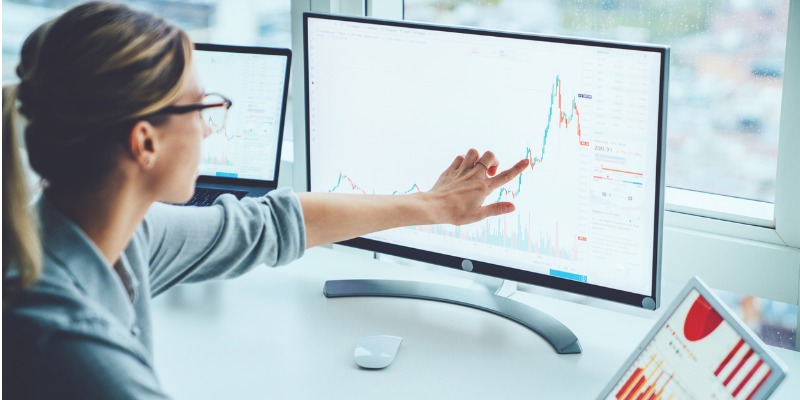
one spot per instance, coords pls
(389, 104)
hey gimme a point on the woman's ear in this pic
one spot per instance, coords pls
(142, 144)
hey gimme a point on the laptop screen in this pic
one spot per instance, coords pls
(256, 80)
(698, 351)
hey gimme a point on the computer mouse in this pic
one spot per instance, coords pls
(376, 352)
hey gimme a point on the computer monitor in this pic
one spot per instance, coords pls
(256, 79)
(390, 103)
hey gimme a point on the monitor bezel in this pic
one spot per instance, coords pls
(651, 301)
(272, 51)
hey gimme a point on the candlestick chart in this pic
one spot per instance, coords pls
(586, 118)
(558, 153)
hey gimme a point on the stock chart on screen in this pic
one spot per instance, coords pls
(390, 106)
(247, 147)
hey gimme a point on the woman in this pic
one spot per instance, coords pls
(114, 129)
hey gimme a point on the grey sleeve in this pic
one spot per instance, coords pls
(192, 244)
(76, 366)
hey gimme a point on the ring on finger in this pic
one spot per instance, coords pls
(482, 163)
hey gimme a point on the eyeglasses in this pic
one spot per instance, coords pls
(213, 109)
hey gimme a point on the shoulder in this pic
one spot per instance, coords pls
(53, 304)
(50, 303)
(87, 358)
(49, 329)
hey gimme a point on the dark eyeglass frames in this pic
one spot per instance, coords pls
(213, 109)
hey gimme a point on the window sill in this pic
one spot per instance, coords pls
(730, 217)
(725, 208)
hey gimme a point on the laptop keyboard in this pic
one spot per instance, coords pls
(205, 196)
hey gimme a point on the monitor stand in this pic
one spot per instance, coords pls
(554, 332)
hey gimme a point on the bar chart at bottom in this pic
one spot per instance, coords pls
(650, 382)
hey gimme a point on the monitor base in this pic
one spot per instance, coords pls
(554, 332)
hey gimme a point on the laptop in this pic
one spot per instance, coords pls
(698, 350)
(244, 158)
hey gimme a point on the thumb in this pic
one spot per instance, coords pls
(495, 209)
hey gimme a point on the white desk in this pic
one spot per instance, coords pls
(272, 334)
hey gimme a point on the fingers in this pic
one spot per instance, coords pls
(509, 174)
(495, 209)
(489, 160)
(456, 163)
(469, 159)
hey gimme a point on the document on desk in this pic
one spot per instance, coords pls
(698, 350)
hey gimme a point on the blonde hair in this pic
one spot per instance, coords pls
(21, 243)
(86, 77)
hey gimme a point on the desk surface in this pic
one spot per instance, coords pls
(272, 334)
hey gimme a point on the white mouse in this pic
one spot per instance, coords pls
(376, 352)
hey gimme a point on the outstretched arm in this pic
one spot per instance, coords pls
(457, 198)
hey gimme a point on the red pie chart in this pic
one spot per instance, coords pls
(701, 320)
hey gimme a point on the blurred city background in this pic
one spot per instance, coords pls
(724, 95)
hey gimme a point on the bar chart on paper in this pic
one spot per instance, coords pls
(649, 382)
(695, 355)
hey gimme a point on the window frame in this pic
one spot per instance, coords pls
(724, 240)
